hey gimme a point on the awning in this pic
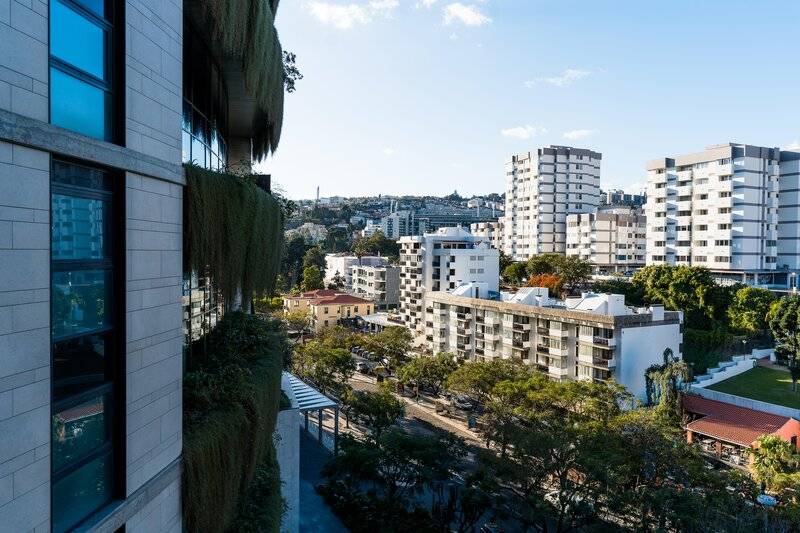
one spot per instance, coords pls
(308, 398)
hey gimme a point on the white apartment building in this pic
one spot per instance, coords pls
(311, 233)
(613, 239)
(341, 264)
(591, 337)
(720, 209)
(490, 231)
(542, 188)
(379, 284)
(441, 261)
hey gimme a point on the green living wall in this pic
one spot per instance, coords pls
(231, 399)
(234, 229)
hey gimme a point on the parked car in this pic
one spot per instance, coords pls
(462, 403)
(363, 367)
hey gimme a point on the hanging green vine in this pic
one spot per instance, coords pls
(233, 228)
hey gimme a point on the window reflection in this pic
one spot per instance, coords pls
(79, 493)
(78, 431)
(76, 40)
(78, 106)
(81, 363)
(78, 227)
(79, 301)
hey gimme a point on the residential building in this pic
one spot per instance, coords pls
(341, 264)
(490, 231)
(721, 209)
(619, 197)
(613, 239)
(328, 307)
(400, 224)
(440, 261)
(379, 284)
(542, 188)
(311, 233)
(100, 103)
(591, 337)
(371, 228)
(728, 432)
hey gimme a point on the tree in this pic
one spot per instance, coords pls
(297, 321)
(663, 383)
(773, 458)
(544, 264)
(328, 368)
(515, 273)
(573, 271)
(338, 239)
(748, 312)
(377, 410)
(786, 330)
(291, 74)
(393, 343)
(428, 372)
(634, 292)
(338, 281)
(552, 282)
(683, 288)
(314, 256)
(505, 261)
(477, 379)
(378, 244)
(312, 278)
(291, 264)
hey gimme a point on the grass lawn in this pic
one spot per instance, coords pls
(765, 384)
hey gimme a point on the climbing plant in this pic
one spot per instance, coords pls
(233, 229)
(663, 382)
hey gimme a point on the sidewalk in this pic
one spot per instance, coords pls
(315, 515)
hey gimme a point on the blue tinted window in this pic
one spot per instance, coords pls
(79, 301)
(82, 492)
(78, 227)
(98, 7)
(81, 363)
(76, 40)
(78, 106)
(78, 431)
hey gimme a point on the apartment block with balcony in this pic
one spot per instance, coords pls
(441, 261)
(543, 187)
(341, 264)
(591, 337)
(613, 239)
(491, 231)
(721, 209)
(379, 284)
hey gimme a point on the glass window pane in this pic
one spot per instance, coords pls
(82, 492)
(79, 301)
(78, 227)
(78, 106)
(81, 176)
(76, 40)
(79, 430)
(198, 153)
(81, 363)
(96, 6)
(186, 147)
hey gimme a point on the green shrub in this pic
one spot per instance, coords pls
(231, 398)
(263, 506)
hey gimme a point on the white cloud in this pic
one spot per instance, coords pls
(574, 135)
(453, 36)
(523, 132)
(388, 151)
(346, 16)
(794, 146)
(464, 14)
(568, 77)
(427, 4)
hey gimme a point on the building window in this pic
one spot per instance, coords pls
(87, 341)
(81, 74)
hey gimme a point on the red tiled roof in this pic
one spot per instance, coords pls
(339, 299)
(731, 423)
(316, 293)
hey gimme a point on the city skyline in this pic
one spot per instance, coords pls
(382, 113)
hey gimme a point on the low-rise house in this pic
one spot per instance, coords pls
(328, 307)
(728, 431)
(591, 337)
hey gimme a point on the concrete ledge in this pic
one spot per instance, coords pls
(117, 513)
(40, 135)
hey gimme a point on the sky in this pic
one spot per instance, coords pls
(431, 96)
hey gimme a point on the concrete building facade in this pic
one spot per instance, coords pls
(491, 231)
(441, 261)
(591, 337)
(342, 264)
(379, 284)
(613, 239)
(718, 209)
(542, 188)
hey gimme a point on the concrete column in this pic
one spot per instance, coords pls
(240, 155)
(689, 436)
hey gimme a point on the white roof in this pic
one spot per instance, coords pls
(307, 397)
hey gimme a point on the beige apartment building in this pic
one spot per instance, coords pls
(613, 239)
(490, 231)
(378, 284)
(328, 307)
(591, 337)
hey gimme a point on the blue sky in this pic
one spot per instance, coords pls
(428, 96)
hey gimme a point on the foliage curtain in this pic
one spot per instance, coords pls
(245, 29)
(233, 228)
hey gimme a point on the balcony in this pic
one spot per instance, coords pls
(604, 342)
(520, 343)
(464, 316)
(519, 326)
(542, 330)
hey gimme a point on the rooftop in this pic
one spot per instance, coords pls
(762, 384)
(734, 424)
